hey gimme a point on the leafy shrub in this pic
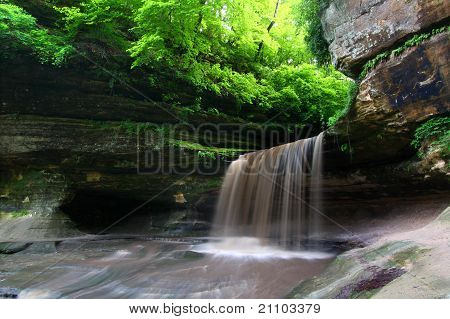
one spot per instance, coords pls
(308, 93)
(308, 16)
(207, 155)
(351, 96)
(19, 31)
(245, 58)
(106, 21)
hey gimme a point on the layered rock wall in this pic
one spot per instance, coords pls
(357, 30)
(399, 93)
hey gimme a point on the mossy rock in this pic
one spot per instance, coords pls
(360, 273)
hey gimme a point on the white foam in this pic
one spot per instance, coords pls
(119, 254)
(37, 294)
(250, 247)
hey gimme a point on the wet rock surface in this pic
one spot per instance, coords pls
(152, 268)
(402, 264)
(379, 279)
(9, 293)
(396, 96)
(78, 93)
(12, 248)
(48, 163)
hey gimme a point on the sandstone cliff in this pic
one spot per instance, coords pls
(407, 88)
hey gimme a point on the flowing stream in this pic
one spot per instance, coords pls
(269, 207)
(156, 269)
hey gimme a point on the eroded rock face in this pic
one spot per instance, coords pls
(394, 99)
(88, 172)
(357, 30)
(31, 88)
(96, 158)
(75, 125)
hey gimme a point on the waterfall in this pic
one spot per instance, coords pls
(273, 194)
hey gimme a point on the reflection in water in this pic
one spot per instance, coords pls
(151, 269)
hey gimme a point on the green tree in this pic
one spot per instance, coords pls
(307, 14)
(19, 32)
(233, 56)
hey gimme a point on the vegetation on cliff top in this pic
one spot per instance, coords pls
(19, 31)
(259, 60)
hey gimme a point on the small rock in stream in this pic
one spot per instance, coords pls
(9, 293)
(12, 248)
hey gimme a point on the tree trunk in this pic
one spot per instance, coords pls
(200, 17)
(272, 23)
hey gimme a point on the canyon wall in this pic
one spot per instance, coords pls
(68, 137)
(407, 88)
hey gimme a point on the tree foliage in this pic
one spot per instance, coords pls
(20, 32)
(106, 21)
(307, 14)
(233, 56)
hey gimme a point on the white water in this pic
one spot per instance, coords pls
(254, 248)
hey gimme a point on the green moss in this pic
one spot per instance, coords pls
(207, 151)
(401, 258)
(193, 189)
(436, 132)
(20, 213)
(169, 137)
(20, 184)
(124, 164)
(20, 188)
(388, 249)
(15, 214)
(132, 128)
(127, 126)
(207, 155)
(351, 96)
(414, 41)
(344, 148)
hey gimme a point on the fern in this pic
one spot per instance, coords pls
(435, 131)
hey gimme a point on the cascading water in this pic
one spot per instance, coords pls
(273, 194)
(268, 196)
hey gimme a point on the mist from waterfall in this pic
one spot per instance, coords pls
(273, 194)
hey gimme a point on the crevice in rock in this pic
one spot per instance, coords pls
(95, 212)
(358, 68)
